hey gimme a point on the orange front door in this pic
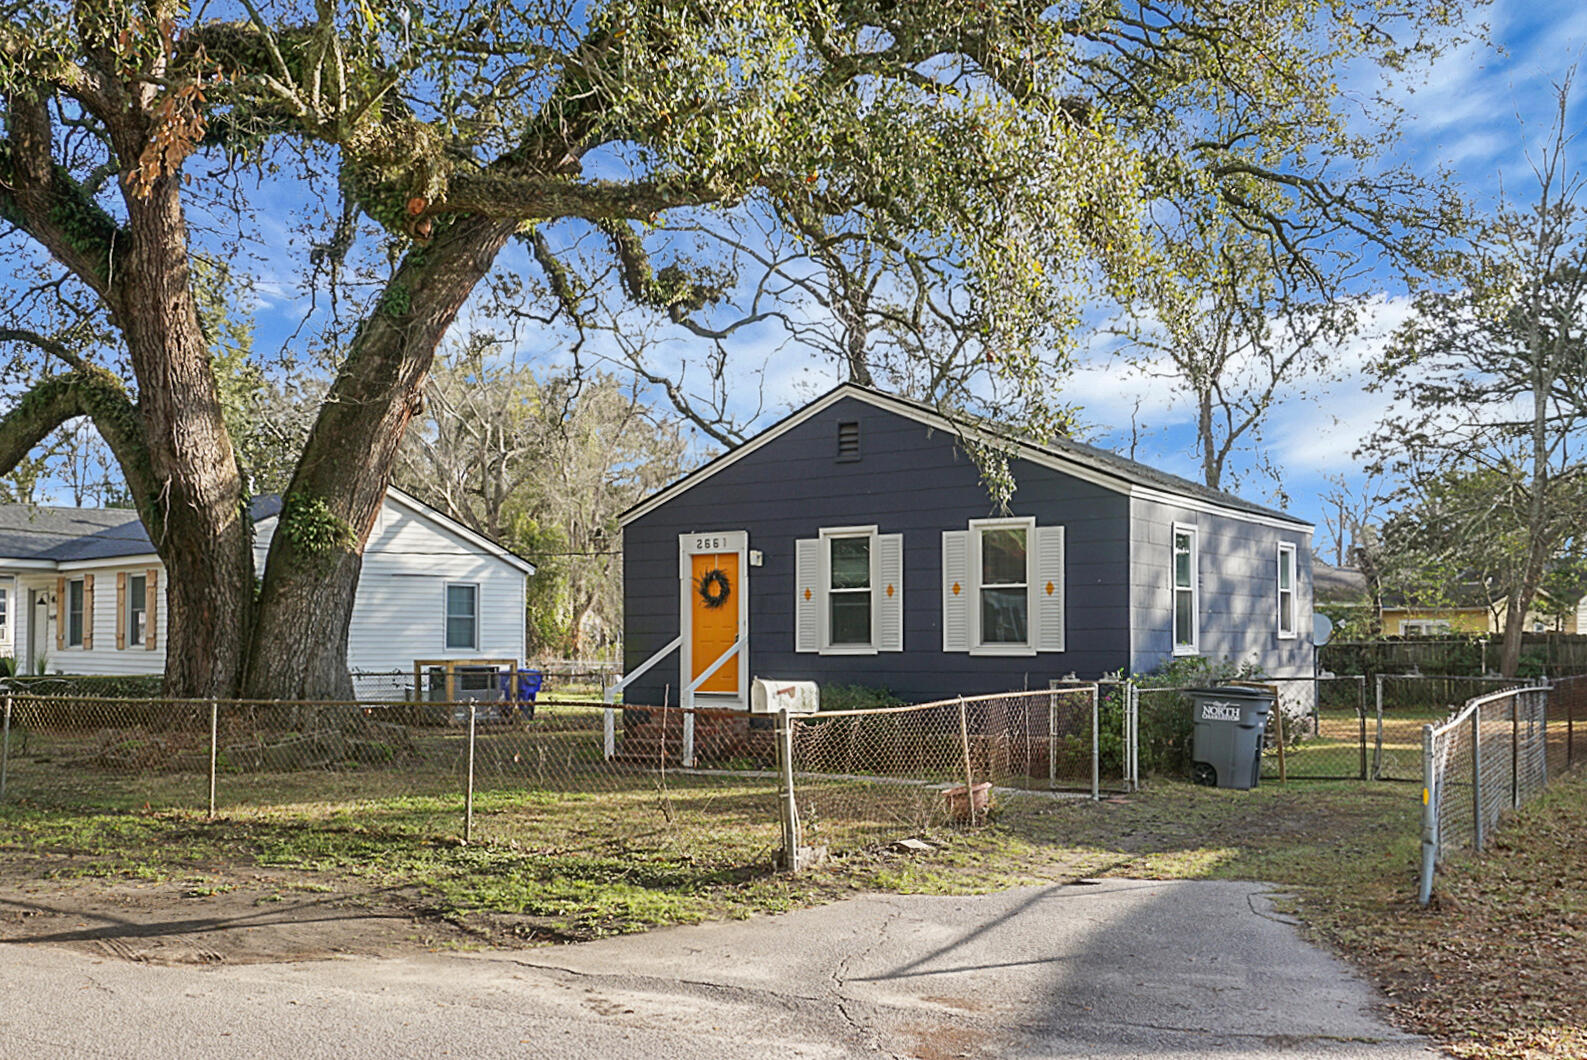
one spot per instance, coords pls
(714, 589)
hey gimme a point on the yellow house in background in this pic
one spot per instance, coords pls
(1471, 613)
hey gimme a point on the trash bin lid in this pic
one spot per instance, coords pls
(1233, 692)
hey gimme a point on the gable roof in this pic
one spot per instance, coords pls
(44, 537)
(1099, 466)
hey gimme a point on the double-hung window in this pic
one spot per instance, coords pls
(1187, 591)
(137, 608)
(849, 592)
(462, 617)
(1286, 591)
(1002, 588)
(5, 610)
(74, 613)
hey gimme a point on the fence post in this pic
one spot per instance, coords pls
(969, 775)
(5, 748)
(468, 798)
(214, 748)
(1135, 735)
(1570, 725)
(1429, 818)
(1096, 745)
(1515, 751)
(1052, 739)
(609, 732)
(1377, 750)
(1476, 778)
(791, 860)
(1361, 716)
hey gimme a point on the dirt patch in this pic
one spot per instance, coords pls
(272, 916)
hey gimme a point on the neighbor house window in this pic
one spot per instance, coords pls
(1286, 590)
(5, 610)
(849, 592)
(74, 613)
(137, 608)
(1424, 627)
(1186, 635)
(462, 618)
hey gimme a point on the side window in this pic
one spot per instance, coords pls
(462, 617)
(849, 592)
(1002, 588)
(1286, 591)
(1186, 591)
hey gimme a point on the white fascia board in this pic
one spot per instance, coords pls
(451, 525)
(9, 563)
(1025, 450)
(145, 559)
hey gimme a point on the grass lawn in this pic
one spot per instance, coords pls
(1495, 969)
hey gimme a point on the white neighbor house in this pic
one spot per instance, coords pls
(85, 591)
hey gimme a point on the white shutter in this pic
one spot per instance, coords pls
(956, 590)
(809, 594)
(1048, 588)
(887, 595)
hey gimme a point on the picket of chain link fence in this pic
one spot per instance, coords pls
(494, 771)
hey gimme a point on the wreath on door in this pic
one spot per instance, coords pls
(715, 588)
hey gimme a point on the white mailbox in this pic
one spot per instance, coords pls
(768, 697)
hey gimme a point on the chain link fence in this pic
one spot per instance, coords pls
(537, 776)
(860, 778)
(1489, 758)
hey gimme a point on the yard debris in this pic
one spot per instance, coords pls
(913, 846)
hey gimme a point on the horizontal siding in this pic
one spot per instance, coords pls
(104, 658)
(910, 480)
(1237, 562)
(398, 613)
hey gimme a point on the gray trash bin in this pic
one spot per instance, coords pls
(1229, 723)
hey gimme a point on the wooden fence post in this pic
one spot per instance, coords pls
(969, 775)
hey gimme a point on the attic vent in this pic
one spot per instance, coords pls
(849, 440)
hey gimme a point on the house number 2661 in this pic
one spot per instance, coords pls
(702, 544)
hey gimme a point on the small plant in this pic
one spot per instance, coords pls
(857, 697)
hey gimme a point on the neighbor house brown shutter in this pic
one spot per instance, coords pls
(121, 610)
(60, 614)
(88, 612)
(151, 608)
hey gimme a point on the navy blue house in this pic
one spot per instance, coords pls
(855, 543)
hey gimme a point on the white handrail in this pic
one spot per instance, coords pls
(671, 646)
(609, 715)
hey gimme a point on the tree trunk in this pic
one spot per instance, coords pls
(193, 506)
(299, 642)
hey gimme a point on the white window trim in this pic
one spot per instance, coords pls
(1286, 548)
(976, 528)
(827, 535)
(446, 615)
(66, 614)
(1194, 647)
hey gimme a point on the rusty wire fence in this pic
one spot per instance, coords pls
(474, 770)
(860, 778)
(555, 775)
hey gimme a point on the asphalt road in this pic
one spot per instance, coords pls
(1115, 969)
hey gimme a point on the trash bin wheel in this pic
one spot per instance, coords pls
(1203, 774)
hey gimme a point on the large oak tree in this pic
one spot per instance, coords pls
(1034, 155)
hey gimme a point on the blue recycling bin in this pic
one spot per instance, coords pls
(529, 682)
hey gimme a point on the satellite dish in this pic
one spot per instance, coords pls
(1322, 628)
